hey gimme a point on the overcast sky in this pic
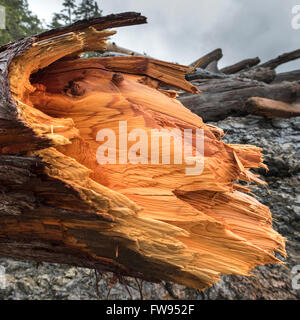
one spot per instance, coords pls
(183, 30)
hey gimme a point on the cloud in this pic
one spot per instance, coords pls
(183, 30)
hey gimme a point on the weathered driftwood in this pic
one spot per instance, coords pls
(283, 58)
(113, 47)
(266, 75)
(248, 69)
(239, 66)
(225, 93)
(206, 74)
(213, 67)
(287, 76)
(204, 61)
(221, 98)
(58, 204)
(272, 108)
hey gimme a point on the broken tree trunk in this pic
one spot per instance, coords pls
(60, 204)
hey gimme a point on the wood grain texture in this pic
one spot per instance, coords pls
(152, 221)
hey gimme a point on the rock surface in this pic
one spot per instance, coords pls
(280, 140)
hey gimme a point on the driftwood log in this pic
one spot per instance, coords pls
(239, 66)
(151, 221)
(226, 92)
(284, 58)
(272, 108)
(221, 98)
(287, 76)
(204, 61)
(113, 47)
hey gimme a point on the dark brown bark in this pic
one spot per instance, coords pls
(101, 23)
(30, 197)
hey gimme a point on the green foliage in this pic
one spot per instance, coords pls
(20, 21)
(72, 12)
(88, 9)
(66, 15)
(68, 10)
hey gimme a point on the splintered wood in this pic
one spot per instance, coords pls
(151, 221)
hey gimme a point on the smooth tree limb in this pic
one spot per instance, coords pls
(283, 58)
(113, 47)
(239, 66)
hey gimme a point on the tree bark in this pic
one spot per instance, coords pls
(154, 221)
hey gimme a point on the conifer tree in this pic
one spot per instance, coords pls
(20, 21)
(88, 9)
(66, 16)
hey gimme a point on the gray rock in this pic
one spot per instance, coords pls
(280, 123)
(296, 123)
